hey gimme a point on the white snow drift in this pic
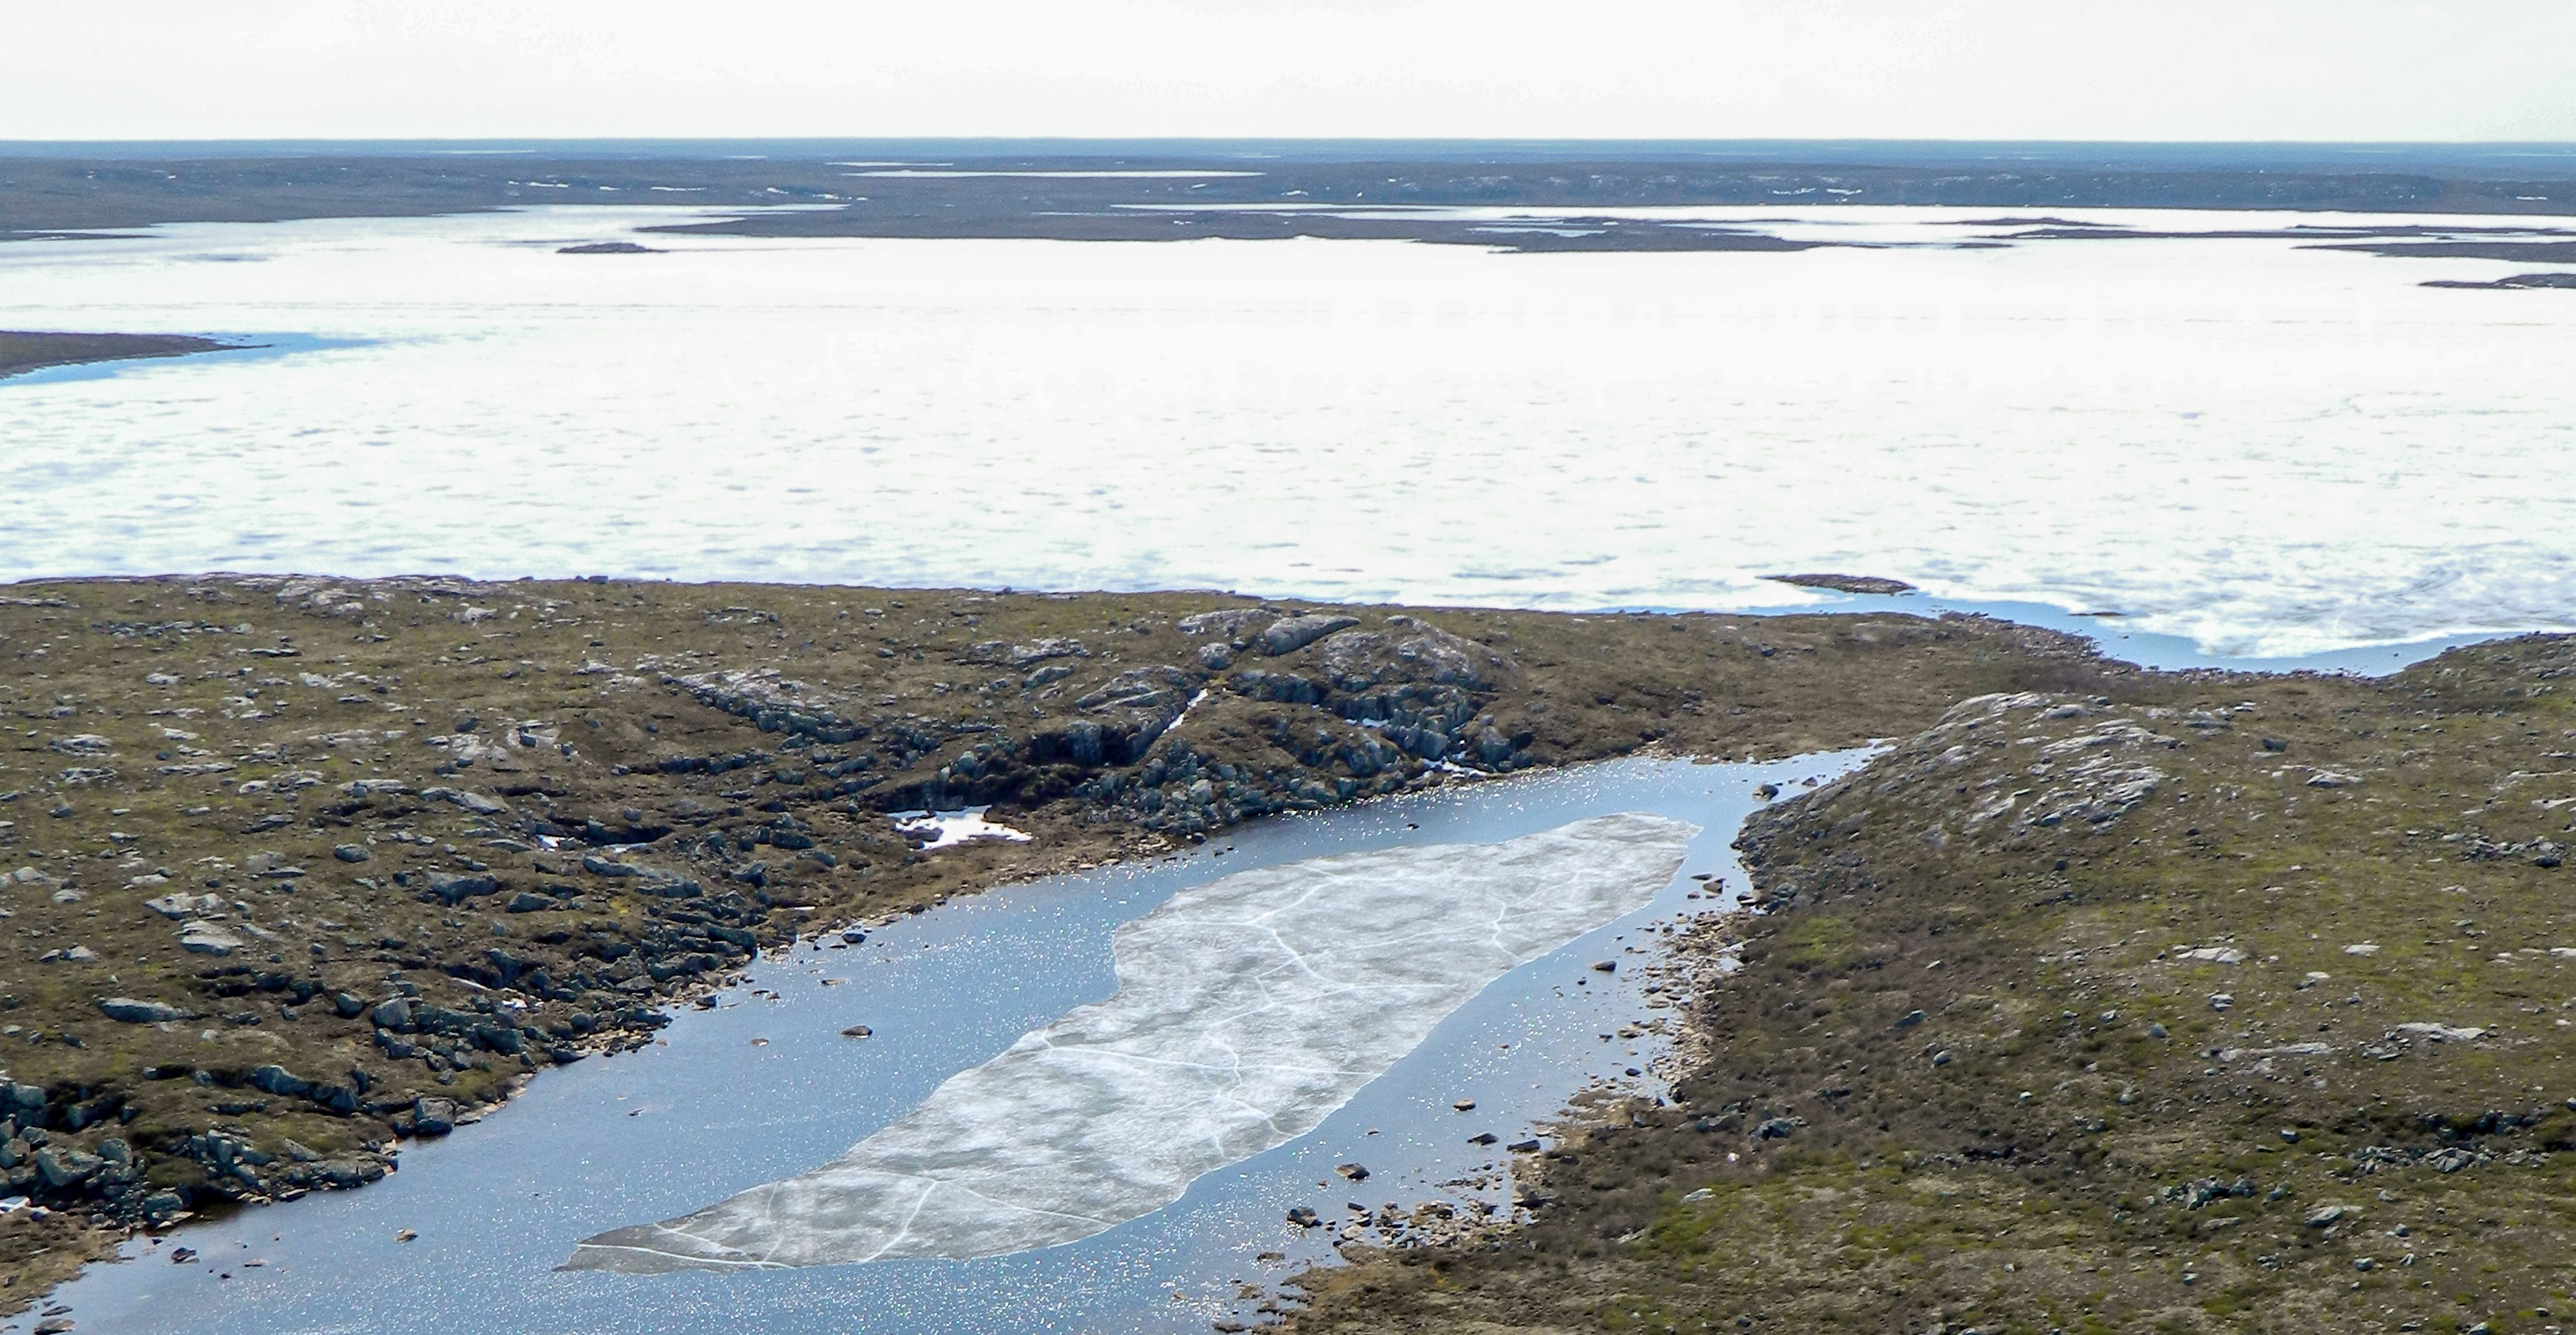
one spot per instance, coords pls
(1247, 1010)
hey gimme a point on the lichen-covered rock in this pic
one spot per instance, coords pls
(1290, 634)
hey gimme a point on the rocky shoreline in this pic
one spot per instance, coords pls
(2193, 1001)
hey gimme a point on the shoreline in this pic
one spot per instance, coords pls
(366, 814)
(2183, 1030)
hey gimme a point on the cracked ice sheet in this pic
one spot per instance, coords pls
(1247, 1010)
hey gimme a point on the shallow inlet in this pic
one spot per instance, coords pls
(709, 1113)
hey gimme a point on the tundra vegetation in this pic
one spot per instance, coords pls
(2190, 1002)
(298, 868)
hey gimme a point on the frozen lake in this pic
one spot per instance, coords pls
(2262, 448)
(764, 1087)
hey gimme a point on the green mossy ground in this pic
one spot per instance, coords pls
(2012, 1101)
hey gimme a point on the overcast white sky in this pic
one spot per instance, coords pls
(1988, 69)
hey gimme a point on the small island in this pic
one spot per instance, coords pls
(22, 352)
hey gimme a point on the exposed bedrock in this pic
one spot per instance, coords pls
(1379, 705)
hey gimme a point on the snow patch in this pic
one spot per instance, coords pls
(951, 828)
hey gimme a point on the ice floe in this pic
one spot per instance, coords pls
(1247, 1010)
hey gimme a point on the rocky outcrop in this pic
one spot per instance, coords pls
(1290, 634)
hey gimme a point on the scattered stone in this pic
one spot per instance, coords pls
(1352, 1172)
(453, 888)
(178, 907)
(474, 802)
(351, 852)
(199, 938)
(857, 1031)
(133, 1011)
(1305, 1217)
(2439, 1033)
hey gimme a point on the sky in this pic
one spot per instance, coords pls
(1913, 69)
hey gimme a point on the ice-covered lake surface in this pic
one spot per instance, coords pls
(765, 1088)
(1247, 1010)
(2260, 448)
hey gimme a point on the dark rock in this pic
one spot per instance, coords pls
(281, 1082)
(607, 248)
(1353, 1172)
(132, 1011)
(474, 802)
(63, 1166)
(433, 1117)
(351, 852)
(1305, 1217)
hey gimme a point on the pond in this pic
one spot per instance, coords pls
(469, 1234)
